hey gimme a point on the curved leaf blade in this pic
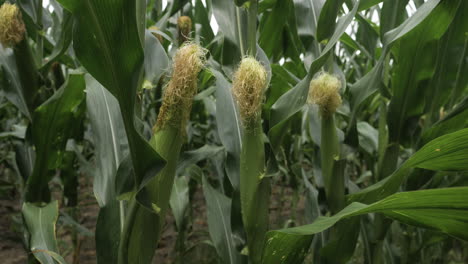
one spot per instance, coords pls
(448, 153)
(106, 36)
(426, 208)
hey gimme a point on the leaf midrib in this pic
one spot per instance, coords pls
(228, 240)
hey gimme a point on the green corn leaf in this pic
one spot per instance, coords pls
(366, 4)
(64, 40)
(307, 15)
(21, 79)
(107, 234)
(271, 29)
(408, 25)
(232, 22)
(109, 138)
(445, 84)
(370, 82)
(104, 33)
(416, 63)
(179, 201)
(443, 210)
(226, 16)
(53, 123)
(229, 130)
(156, 60)
(16, 92)
(189, 158)
(327, 20)
(201, 17)
(41, 222)
(455, 120)
(111, 147)
(448, 153)
(219, 224)
(392, 15)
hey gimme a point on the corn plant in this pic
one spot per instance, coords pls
(300, 131)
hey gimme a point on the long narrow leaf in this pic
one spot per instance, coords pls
(427, 208)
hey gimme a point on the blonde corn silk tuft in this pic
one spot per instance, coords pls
(248, 87)
(325, 92)
(12, 28)
(184, 26)
(179, 92)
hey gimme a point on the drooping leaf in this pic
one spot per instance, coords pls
(426, 208)
(448, 153)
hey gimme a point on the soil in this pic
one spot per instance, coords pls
(198, 248)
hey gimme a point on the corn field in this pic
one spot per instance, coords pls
(234, 131)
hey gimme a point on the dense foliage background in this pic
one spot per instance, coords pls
(88, 80)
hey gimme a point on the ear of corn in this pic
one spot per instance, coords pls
(324, 91)
(13, 35)
(169, 134)
(255, 191)
(12, 28)
(184, 28)
(248, 89)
